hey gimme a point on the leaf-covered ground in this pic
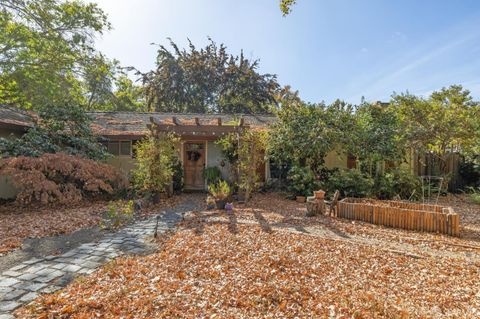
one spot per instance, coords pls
(267, 260)
(19, 223)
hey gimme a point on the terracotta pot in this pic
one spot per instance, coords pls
(319, 194)
(301, 199)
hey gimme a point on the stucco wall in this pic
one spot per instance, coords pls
(215, 157)
(336, 159)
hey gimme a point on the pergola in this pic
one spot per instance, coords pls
(196, 130)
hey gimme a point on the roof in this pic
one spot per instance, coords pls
(14, 118)
(135, 123)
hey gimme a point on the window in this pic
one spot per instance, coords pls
(125, 148)
(119, 148)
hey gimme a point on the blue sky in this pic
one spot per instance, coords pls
(326, 49)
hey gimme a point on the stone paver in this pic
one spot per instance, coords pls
(22, 283)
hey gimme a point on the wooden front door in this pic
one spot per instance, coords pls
(193, 164)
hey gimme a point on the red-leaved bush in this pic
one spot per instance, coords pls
(60, 178)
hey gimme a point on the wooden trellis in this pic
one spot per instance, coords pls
(405, 215)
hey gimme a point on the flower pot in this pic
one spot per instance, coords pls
(301, 199)
(229, 206)
(220, 204)
(319, 194)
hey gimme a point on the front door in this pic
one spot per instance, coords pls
(193, 164)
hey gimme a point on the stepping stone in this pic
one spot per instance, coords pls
(11, 273)
(21, 266)
(14, 294)
(27, 277)
(31, 286)
(28, 297)
(8, 282)
(72, 268)
(32, 261)
(8, 306)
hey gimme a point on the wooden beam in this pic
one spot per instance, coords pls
(197, 121)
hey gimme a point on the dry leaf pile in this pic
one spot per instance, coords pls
(265, 260)
(19, 223)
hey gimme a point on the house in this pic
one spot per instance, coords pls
(13, 124)
(197, 132)
(120, 131)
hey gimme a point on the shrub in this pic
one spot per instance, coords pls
(475, 198)
(350, 183)
(118, 214)
(470, 173)
(398, 182)
(57, 130)
(245, 153)
(474, 195)
(220, 190)
(60, 178)
(301, 181)
(405, 184)
(212, 174)
(177, 175)
(156, 158)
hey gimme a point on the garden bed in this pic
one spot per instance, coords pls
(405, 215)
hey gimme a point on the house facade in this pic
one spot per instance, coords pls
(120, 131)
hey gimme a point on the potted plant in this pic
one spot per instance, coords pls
(210, 202)
(229, 207)
(220, 191)
(320, 194)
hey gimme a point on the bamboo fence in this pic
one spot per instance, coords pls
(405, 215)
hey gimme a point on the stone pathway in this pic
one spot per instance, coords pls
(21, 284)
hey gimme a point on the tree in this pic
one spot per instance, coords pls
(305, 133)
(64, 129)
(207, 80)
(286, 6)
(47, 54)
(251, 154)
(375, 136)
(441, 124)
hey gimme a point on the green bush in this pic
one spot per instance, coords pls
(220, 190)
(301, 181)
(350, 183)
(383, 187)
(156, 160)
(474, 195)
(177, 175)
(212, 174)
(398, 182)
(59, 129)
(118, 213)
